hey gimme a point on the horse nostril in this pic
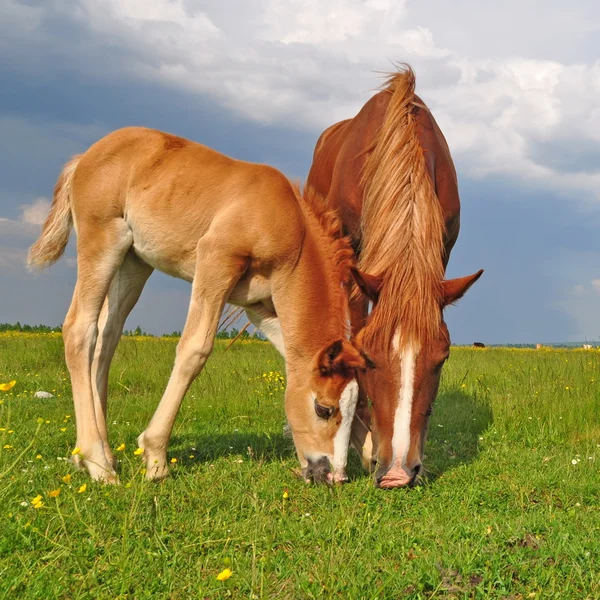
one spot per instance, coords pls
(417, 470)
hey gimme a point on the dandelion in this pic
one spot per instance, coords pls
(121, 448)
(5, 387)
(82, 488)
(76, 451)
(63, 429)
(37, 499)
(173, 460)
(138, 451)
(38, 505)
(54, 493)
(191, 456)
(7, 447)
(66, 478)
(38, 456)
(285, 495)
(224, 575)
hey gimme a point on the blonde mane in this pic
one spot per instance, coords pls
(402, 225)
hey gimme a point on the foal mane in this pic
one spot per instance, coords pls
(335, 247)
(402, 225)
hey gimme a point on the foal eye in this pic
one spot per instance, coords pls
(323, 412)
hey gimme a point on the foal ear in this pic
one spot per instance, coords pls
(455, 289)
(370, 285)
(338, 357)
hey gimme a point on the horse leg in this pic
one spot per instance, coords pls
(123, 293)
(100, 253)
(268, 323)
(217, 272)
(360, 435)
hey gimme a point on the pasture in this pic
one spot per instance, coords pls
(509, 507)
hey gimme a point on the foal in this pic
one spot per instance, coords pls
(142, 200)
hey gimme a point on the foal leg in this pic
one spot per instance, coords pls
(216, 275)
(124, 292)
(100, 252)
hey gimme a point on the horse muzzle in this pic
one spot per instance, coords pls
(398, 475)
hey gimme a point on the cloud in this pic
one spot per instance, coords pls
(36, 212)
(308, 64)
(596, 285)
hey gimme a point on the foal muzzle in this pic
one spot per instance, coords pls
(319, 471)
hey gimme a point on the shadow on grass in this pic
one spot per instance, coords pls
(456, 425)
(255, 446)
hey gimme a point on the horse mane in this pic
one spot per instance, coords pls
(336, 249)
(402, 225)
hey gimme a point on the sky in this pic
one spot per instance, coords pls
(514, 86)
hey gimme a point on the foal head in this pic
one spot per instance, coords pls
(320, 411)
(323, 364)
(404, 385)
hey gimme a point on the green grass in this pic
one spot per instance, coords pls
(502, 513)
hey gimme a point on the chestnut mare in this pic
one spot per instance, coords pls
(389, 173)
(142, 200)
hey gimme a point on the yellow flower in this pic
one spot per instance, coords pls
(54, 493)
(138, 451)
(37, 499)
(4, 387)
(121, 448)
(224, 574)
(76, 451)
(285, 495)
(191, 456)
(7, 446)
(38, 456)
(82, 488)
(66, 478)
(173, 460)
(38, 504)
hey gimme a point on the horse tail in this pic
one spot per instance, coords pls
(57, 228)
(402, 222)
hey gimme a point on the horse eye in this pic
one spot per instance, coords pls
(323, 412)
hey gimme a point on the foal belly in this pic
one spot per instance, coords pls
(171, 259)
(253, 288)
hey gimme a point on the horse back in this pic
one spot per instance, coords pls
(343, 149)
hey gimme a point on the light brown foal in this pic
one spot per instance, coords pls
(141, 200)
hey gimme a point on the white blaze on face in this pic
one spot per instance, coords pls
(401, 437)
(348, 401)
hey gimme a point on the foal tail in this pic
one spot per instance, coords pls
(57, 227)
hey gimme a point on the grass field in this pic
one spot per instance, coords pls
(509, 507)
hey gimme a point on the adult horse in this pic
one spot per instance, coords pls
(142, 200)
(389, 174)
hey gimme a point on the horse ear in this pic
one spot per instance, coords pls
(338, 357)
(370, 285)
(455, 289)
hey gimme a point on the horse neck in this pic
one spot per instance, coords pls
(311, 303)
